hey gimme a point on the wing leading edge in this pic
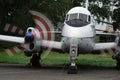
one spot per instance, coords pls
(45, 43)
(12, 39)
(51, 44)
(101, 46)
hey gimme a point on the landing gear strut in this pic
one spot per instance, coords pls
(35, 61)
(73, 54)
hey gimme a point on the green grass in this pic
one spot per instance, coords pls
(17, 58)
(60, 59)
(96, 60)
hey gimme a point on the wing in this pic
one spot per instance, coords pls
(51, 44)
(101, 46)
(12, 39)
(45, 43)
(107, 48)
(102, 33)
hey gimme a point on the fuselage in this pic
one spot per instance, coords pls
(78, 25)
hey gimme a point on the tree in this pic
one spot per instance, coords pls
(16, 12)
(99, 8)
(116, 14)
(55, 9)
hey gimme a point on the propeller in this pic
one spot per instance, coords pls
(43, 28)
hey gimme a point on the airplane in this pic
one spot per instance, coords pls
(77, 37)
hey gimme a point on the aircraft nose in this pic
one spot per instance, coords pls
(29, 37)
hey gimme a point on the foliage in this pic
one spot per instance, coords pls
(55, 9)
(17, 11)
(99, 8)
(116, 15)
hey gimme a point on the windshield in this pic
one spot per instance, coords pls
(83, 17)
(73, 16)
(77, 20)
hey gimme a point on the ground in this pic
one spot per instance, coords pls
(22, 72)
(55, 66)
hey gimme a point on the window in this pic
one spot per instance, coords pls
(83, 17)
(67, 17)
(77, 19)
(73, 16)
(89, 18)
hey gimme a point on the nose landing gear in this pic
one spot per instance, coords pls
(73, 54)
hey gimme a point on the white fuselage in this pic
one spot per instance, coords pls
(84, 34)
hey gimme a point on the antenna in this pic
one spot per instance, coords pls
(86, 4)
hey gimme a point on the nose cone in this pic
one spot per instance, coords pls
(29, 37)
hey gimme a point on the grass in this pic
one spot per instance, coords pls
(96, 60)
(60, 59)
(17, 58)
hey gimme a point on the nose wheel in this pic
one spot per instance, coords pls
(72, 70)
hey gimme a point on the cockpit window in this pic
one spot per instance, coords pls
(78, 20)
(67, 17)
(89, 18)
(83, 17)
(73, 16)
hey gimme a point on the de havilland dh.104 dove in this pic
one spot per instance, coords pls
(78, 36)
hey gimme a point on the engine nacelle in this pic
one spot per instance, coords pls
(33, 41)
